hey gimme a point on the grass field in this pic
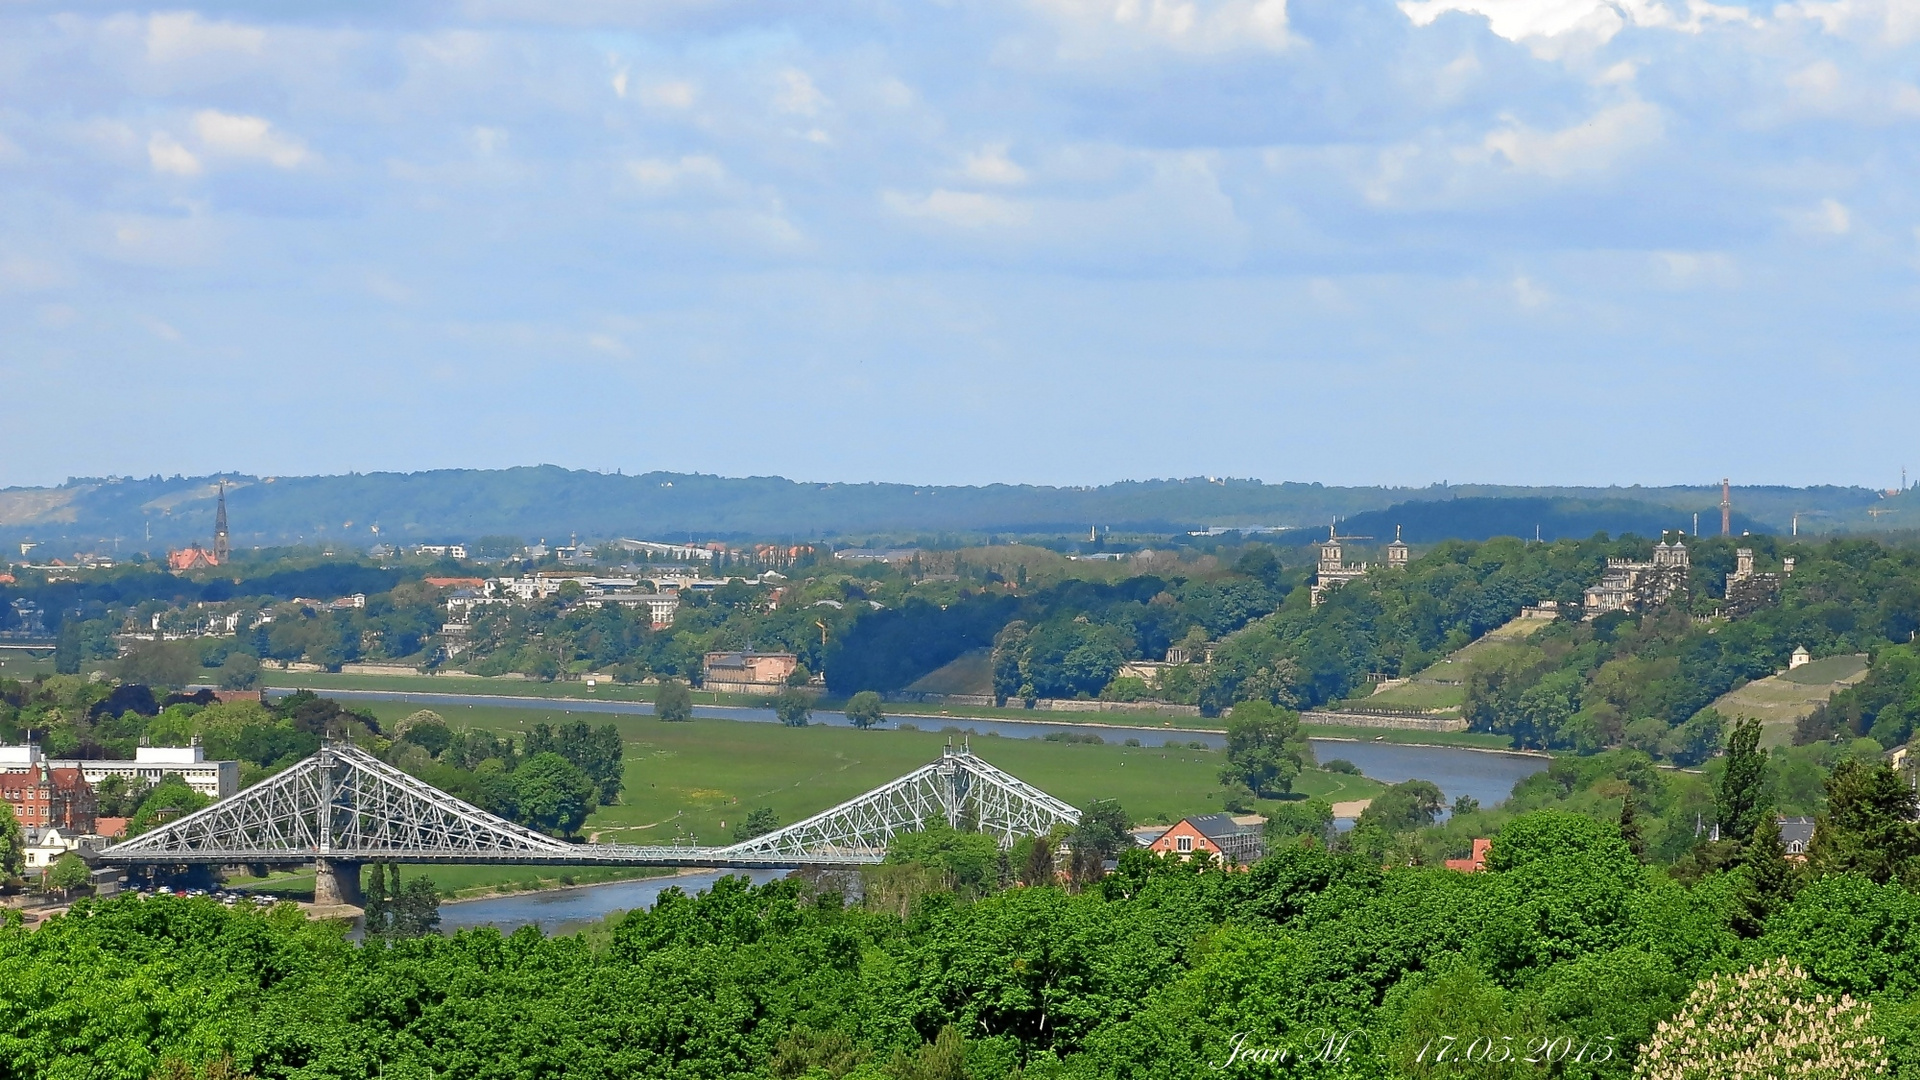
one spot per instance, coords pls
(1429, 689)
(697, 780)
(969, 673)
(1778, 701)
(15, 664)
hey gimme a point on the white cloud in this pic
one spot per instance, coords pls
(1204, 26)
(1691, 269)
(673, 95)
(660, 174)
(386, 288)
(1600, 20)
(1887, 22)
(992, 166)
(21, 274)
(181, 35)
(965, 209)
(248, 137)
(798, 95)
(166, 155)
(1528, 294)
(1591, 145)
(1829, 217)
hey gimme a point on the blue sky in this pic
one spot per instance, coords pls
(1067, 241)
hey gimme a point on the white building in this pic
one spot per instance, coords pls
(45, 846)
(680, 552)
(215, 779)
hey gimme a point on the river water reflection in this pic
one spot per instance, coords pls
(586, 903)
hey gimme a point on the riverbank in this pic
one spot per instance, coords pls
(430, 692)
(463, 883)
(606, 691)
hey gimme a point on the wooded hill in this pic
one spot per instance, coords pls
(552, 503)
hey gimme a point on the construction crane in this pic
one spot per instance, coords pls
(1334, 537)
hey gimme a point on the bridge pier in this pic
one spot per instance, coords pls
(337, 882)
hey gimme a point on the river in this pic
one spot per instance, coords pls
(555, 908)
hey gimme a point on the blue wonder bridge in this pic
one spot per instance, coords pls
(344, 807)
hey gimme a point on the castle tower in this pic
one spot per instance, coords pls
(1330, 557)
(1743, 563)
(222, 549)
(1397, 552)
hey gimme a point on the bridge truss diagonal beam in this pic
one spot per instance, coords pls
(341, 803)
(957, 789)
(345, 804)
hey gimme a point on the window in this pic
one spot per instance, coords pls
(1183, 843)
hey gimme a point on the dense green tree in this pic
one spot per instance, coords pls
(397, 910)
(1412, 804)
(240, 671)
(673, 701)
(597, 752)
(159, 663)
(427, 730)
(794, 708)
(968, 861)
(1869, 826)
(68, 872)
(1630, 830)
(12, 844)
(1035, 857)
(552, 794)
(865, 709)
(760, 821)
(1290, 821)
(1265, 749)
(169, 799)
(1742, 799)
(1769, 880)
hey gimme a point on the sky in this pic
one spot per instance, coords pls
(1053, 241)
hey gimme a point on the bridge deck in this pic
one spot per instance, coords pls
(584, 855)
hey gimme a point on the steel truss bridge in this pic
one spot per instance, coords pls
(343, 807)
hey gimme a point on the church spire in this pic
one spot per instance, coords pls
(221, 548)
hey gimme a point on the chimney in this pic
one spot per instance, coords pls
(1726, 507)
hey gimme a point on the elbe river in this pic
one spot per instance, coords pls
(1487, 776)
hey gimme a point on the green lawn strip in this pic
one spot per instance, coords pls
(1477, 739)
(696, 781)
(1830, 669)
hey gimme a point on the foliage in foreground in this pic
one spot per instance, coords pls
(1150, 973)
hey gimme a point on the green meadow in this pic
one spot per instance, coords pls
(695, 781)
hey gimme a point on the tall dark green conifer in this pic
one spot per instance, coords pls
(1630, 830)
(1770, 881)
(1743, 797)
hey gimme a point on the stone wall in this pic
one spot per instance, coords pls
(1404, 723)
